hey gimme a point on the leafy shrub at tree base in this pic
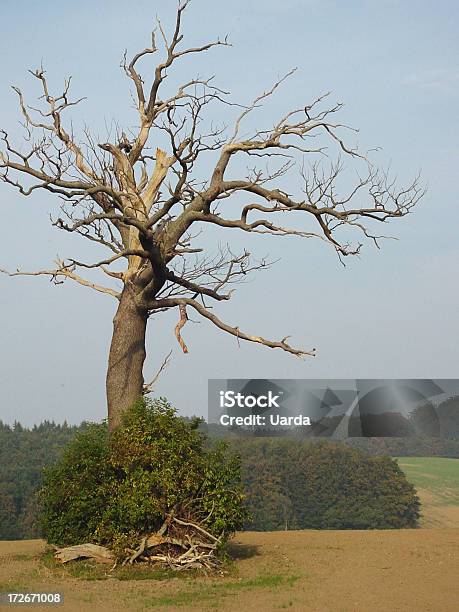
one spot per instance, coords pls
(154, 466)
(323, 485)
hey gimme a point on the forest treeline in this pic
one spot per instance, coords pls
(277, 475)
(23, 455)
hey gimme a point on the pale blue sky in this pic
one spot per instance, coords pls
(389, 313)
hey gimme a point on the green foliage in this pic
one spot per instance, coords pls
(413, 446)
(324, 486)
(23, 454)
(448, 412)
(74, 491)
(114, 491)
(8, 524)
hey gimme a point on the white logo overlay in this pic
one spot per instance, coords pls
(230, 399)
(266, 402)
(334, 408)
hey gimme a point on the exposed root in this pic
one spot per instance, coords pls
(178, 545)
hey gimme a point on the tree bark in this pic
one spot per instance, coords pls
(126, 358)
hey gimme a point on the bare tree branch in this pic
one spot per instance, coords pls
(234, 331)
(65, 272)
(148, 387)
(180, 324)
(138, 193)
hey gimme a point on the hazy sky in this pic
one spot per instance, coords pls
(392, 313)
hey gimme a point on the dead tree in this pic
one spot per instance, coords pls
(139, 197)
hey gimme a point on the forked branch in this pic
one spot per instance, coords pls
(148, 205)
(167, 303)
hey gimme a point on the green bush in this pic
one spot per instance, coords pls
(114, 491)
(301, 485)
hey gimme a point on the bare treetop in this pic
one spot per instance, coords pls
(146, 206)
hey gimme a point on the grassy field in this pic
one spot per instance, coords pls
(437, 482)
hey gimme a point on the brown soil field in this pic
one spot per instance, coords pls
(321, 571)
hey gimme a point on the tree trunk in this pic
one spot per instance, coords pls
(126, 358)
